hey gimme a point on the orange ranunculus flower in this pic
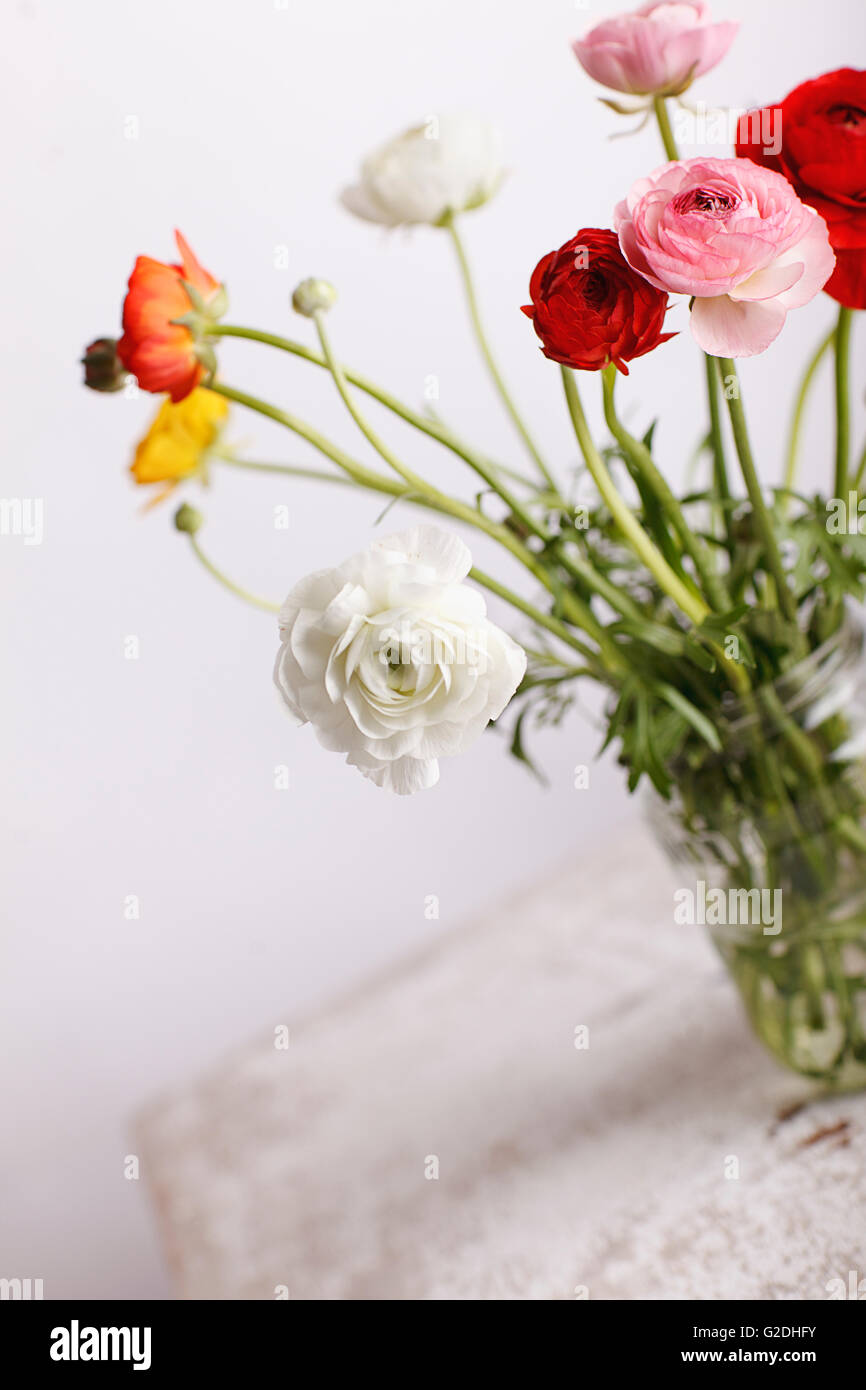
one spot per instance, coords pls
(162, 354)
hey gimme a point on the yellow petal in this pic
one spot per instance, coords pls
(179, 437)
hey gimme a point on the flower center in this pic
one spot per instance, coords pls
(594, 288)
(852, 117)
(710, 202)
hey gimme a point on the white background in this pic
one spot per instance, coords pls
(155, 777)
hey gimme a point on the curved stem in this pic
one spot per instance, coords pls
(366, 477)
(431, 427)
(384, 451)
(288, 469)
(575, 566)
(514, 505)
(229, 584)
(763, 520)
(489, 472)
(693, 606)
(799, 406)
(643, 461)
(580, 612)
(545, 620)
(843, 411)
(660, 107)
(425, 495)
(481, 337)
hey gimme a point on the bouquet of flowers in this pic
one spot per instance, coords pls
(719, 623)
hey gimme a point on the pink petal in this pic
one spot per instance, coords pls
(770, 282)
(816, 255)
(724, 327)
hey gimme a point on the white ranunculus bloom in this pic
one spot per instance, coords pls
(447, 165)
(393, 660)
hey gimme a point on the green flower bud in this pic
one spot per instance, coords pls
(188, 519)
(313, 296)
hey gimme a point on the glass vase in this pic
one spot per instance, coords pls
(771, 837)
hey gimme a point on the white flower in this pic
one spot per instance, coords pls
(447, 165)
(393, 660)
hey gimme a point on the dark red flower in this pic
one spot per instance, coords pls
(103, 369)
(823, 154)
(590, 308)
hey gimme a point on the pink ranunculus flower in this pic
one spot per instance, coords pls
(733, 235)
(658, 50)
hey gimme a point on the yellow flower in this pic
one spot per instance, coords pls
(178, 441)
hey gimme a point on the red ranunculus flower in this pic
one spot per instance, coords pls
(823, 154)
(160, 352)
(590, 308)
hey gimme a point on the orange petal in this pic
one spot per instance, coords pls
(193, 270)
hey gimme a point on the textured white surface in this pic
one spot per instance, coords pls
(156, 777)
(559, 1168)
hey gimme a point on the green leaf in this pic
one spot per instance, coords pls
(698, 720)
(648, 437)
(519, 752)
(664, 639)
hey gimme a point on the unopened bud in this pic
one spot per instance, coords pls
(187, 519)
(103, 369)
(313, 296)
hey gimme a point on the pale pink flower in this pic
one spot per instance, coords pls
(660, 49)
(734, 236)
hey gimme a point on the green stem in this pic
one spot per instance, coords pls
(693, 606)
(843, 410)
(366, 477)
(431, 427)
(487, 354)
(545, 620)
(763, 520)
(542, 619)
(486, 470)
(483, 469)
(799, 406)
(721, 485)
(580, 612)
(423, 494)
(576, 566)
(229, 583)
(414, 480)
(287, 469)
(660, 107)
(614, 596)
(642, 460)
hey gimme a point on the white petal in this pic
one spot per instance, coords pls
(360, 200)
(405, 776)
(450, 163)
(441, 552)
(393, 660)
(314, 591)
